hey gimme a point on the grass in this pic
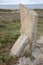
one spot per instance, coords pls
(5, 10)
(39, 28)
(9, 31)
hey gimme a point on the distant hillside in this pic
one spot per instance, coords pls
(40, 12)
(8, 10)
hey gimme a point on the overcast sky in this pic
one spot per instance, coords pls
(21, 1)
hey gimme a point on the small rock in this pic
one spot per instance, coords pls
(40, 42)
(25, 61)
(41, 49)
(40, 60)
(36, 52)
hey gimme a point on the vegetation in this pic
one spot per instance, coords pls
(8, 10)
(5, 10)
(38, 9)
(39, 28)
(9, 32)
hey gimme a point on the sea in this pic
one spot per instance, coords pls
(29, 6)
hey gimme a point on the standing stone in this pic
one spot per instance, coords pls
(29, 20)
(28, 29)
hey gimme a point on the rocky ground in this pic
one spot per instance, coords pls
(37, 53)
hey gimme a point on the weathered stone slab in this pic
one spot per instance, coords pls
(20, 44)
(38, 47)
(29, 20)
(39, 42)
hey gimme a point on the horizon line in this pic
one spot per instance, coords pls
(23, 4)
